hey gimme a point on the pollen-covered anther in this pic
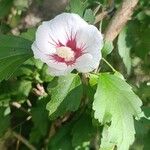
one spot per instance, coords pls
(65, 52)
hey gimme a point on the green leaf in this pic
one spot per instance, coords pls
(45, 76)
(5, 6)
(124, 49)
(138, 38)
(93, 79)
(40, 120)
(4, 121)
(119, 75)
(62, 139)
(78, 6)
(24, 70)
(82, 131)
(65, 96)
(14, 51)
(142, 128)
(115, 102)
(24, 88)
(4, 28)
(21, 4)
(29, 34)
(17, 90)
(89, 16)
(107, 48)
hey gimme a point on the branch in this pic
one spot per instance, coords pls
(121, 17)
(23, 140)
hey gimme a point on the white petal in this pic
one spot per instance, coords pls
(86, 63)
(56, 72)
(43, 40)
(46, 58)
(92, 40)
(39, 54)
(65, 25)
(59, 29)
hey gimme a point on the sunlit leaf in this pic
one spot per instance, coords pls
(107, 48)
(65, 96)
(89, 16)
(115, 102)
(124, 49)
(78, 6)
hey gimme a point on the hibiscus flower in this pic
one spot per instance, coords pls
(66, 43)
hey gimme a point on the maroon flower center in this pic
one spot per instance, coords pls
(69, 52)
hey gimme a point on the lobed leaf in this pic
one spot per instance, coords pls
(115, 102)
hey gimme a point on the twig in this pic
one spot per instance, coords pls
(51, 133)
(18, 106)
(118, 21)
(27, 119)
(105, 12)
(112, 68)
(100, 16)
(18, 142)
(23, 140)
(121, 17)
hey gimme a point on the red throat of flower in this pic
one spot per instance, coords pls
(69, 52)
